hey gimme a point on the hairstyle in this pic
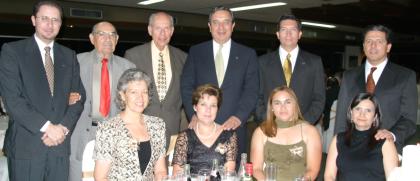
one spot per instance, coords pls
(55, 4)
(153, 16)
(289, 17)
(375, 125)
(127, 77)
(221, 8)
(95, 27)
(269, 126)
(208, 89)
(381, 28)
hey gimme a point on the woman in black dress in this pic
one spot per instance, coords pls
(207, 140)
(355, 154)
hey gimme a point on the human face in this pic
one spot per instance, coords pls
(104, 39)
(221, 26)
(363, 115)
(47, 23)
(136, 97)
(376, 47)
(284, 106)
(288, 34)
(206, 109)
(161, 30)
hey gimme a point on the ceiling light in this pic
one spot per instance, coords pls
(318, 24)
(149, 2)
(243, 8)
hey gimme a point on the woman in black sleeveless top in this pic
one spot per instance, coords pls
(356, 154)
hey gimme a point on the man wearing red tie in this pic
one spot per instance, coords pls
(100, 70)
(393, 85)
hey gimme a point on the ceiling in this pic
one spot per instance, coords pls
(399, 15)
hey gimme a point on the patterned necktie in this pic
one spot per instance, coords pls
(220, 67)
(287, 69)
(105, 99)
(161, 78)
(49, 69)
(370, 83)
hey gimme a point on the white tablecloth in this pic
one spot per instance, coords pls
(4, 175)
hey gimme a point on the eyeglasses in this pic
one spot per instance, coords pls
(226, 22)
(46, 19)
(103, 34)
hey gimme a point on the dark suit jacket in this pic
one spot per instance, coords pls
(307, 82)
(28, 99)
(396, 92)
(170, 109)
(240, 84)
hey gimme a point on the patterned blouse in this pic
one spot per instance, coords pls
(114, 142)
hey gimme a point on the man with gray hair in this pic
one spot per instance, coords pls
(100, 70)
(163, 63)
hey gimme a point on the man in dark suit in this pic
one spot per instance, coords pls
(167, 103)
(307, 72)
(104, 38)
(40, 75)
(394, 87)
(231, 66)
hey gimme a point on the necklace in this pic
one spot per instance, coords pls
(208, 136)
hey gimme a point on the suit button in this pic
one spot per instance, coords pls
(87, 129)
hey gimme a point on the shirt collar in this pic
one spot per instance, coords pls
(42, 45)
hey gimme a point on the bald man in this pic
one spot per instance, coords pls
(104, 38)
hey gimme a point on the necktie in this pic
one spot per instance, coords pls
(161, 78)
(287, 69)
(105, 98)
(49, 69)
(370, 83)
(220, 67)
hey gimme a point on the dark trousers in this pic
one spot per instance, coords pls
(42, 168)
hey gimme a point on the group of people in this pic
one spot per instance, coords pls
(58, 101)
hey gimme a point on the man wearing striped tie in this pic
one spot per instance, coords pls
(290, 65)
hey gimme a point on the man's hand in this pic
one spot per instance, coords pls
(193, 122)
(232, 123)
(384, 134)
(74, 97)
(54, 135)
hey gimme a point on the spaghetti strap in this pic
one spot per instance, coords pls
(301, 130)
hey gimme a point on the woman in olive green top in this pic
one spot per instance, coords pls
(286, 139)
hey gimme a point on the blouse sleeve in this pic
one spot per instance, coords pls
(232, 148)
(104, 142)
(181, 148)
(162, 136)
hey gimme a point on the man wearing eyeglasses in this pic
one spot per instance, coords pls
(163, 63)
(100, 70)
(40, 75)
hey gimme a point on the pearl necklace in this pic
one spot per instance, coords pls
(208, 136)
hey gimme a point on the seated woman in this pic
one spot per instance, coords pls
(131, 145)
(207, 140)
(356, 154)
(285, 139)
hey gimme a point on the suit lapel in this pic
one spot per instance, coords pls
(36, 66)
(299, 69)
(275, 66)
(208, 60)
(360, 79)
(386, 79)
(148, 69)
(59, 70)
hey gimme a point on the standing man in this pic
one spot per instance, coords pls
(100, 70)
(294, 67)
(163, 63)
(40, 75)
(393, 85)
(231, 66)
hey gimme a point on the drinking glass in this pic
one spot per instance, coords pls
(229, 176)
(204, 174)
(303, 178)
(270, 171)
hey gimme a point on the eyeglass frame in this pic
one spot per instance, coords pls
(102, 34)
(47, 19)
